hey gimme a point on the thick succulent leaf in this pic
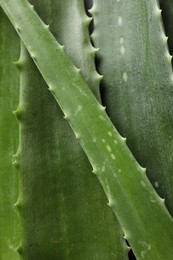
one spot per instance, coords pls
(128, 190)
(60, 197)
(9, 219)
(138, 84)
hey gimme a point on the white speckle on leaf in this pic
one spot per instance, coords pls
(120, 21)
(125, 77)
(109, 133)
(149, 247)
(156, 184)
(113, 156)
(122, 50)
(103, 168)
(102, 118)
(108, 148)
(94, 139)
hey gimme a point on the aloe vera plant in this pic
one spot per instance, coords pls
(9, 219)
(140, 211)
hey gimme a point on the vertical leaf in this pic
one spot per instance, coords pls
(9, 220)
(138, 83)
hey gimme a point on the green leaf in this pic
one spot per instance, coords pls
(9, 219)
(138, 84)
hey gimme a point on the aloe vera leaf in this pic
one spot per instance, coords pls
(9, 220)
(140, 211)
(138, 89)
(167, 13)
(57, 187)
